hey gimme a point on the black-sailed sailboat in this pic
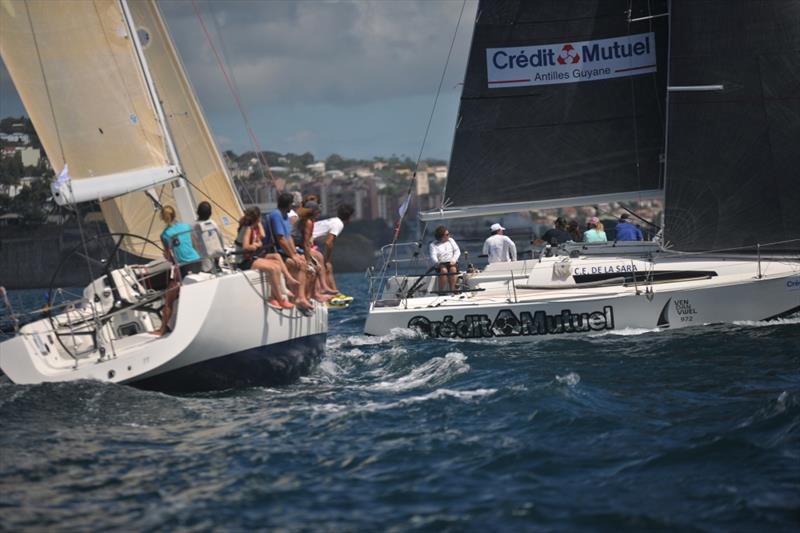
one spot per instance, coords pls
(571, 103)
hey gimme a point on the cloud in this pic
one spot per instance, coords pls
(301, 138)
(353, 77)
(339, 53)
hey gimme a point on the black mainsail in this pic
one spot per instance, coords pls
(733, 158)
(562, 99)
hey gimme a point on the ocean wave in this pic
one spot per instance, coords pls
(93, 403)
(779, 407)
(768, 323)
(435, 371)
(374, 406)
(337, 342)
(625, 332)
(384, 356)
(571, 379)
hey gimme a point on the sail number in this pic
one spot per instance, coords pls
(685, 310)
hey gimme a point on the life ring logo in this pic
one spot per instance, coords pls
(568, 55)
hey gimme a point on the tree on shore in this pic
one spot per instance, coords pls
(11, 170)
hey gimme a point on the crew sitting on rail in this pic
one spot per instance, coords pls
(250, 254)
(326, 233)
(278, 238)
(303, 231)
(444, 254)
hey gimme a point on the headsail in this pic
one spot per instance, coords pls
(733, 158)
(76, 71)
(562, 99)
(200, 159)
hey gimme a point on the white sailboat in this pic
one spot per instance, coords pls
(582, 103)
(107, 94)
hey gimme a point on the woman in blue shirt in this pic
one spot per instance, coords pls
(595, 232)
(177, 240)
(178, 249)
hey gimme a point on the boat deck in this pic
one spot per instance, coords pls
(501, 286)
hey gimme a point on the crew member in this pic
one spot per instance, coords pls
(625, 231)
(444, 253)
(499, 247)
(326, 231)
(558, 234)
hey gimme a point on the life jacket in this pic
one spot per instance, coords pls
(240, 254)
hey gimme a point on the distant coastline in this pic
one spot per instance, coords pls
(29, 256)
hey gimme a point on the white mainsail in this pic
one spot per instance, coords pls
(62, 55)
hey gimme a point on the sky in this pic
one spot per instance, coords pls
(356, 78)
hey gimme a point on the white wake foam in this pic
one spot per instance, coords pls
(339, 341)
(625, 332)
(384, 356)
(435, 371)
(569, 380)
(768, 323)
(371, 406)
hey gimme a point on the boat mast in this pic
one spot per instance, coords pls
(666, 103)
(184, 200)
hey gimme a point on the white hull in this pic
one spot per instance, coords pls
(536, 298)
(224, 336)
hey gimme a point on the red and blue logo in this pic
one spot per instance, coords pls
(568, 55)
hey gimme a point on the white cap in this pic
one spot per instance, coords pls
(496, 227)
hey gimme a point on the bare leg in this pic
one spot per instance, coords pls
(277, 262)
(311, 285)
(291, 282)
(442, 279)
(273, 272)
(329, 276)
(453, 278)
(171, 294)
(322, 274)
(298, 269)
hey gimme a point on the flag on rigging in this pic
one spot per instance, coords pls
(61, 184)
(63, 176)
(404, 206)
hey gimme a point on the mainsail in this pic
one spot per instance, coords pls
(198, 154)
(563, 99)
(733, 161)
(80, 80)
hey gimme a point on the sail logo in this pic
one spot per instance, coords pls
(574, 62)
(568, 55)
(508, 324)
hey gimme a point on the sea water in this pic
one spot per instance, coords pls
(694, 429)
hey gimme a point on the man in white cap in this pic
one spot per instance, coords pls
(498, 247)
